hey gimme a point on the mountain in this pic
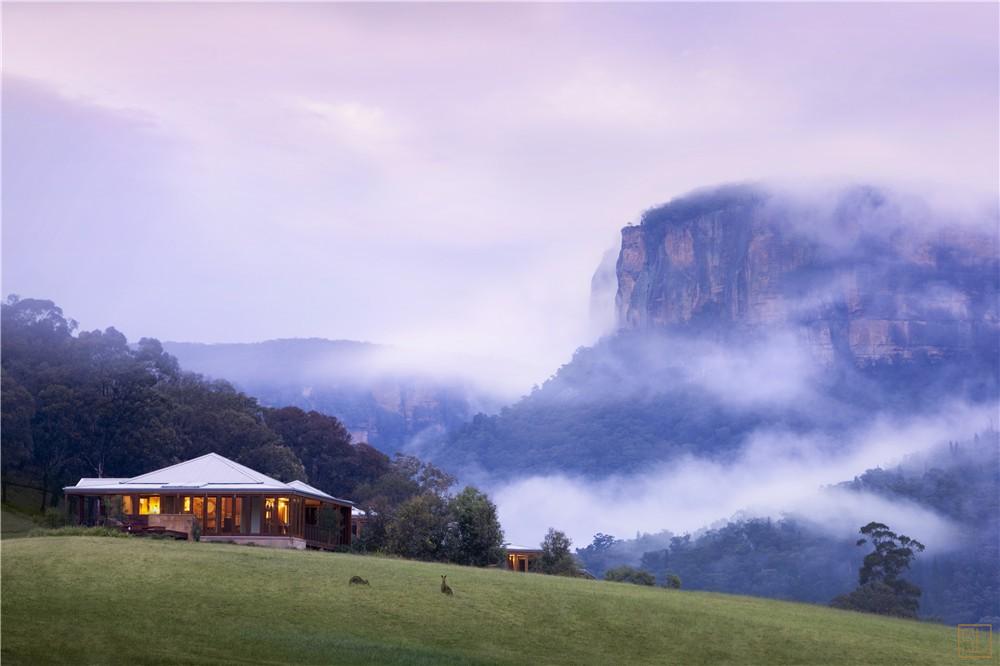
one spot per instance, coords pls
(380, 399)
(865, 279)
(740, 309)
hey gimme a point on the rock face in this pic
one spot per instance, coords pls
(863, 277)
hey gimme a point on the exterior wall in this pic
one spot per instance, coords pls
(266, 541)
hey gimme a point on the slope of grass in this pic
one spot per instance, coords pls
(92, 600)
(14, 524)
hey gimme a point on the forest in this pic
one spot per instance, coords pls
(635, 399)
(792, 558)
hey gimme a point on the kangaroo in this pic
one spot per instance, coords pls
(445, 588)
(358, 580)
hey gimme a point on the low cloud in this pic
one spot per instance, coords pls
(776, 474)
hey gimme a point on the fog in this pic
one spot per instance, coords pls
(776, 474)
(441, 178)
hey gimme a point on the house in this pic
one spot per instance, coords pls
(223, 499)
(519, 558)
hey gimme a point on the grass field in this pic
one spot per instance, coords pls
(86, 600)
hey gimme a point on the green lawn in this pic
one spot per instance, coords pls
(86, 600)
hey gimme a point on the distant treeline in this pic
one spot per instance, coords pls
(340, 377)
(789, 559)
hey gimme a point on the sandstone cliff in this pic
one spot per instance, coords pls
(860, 277)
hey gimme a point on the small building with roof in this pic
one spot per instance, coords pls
(359, 519)
(520, 558)
(220, 500)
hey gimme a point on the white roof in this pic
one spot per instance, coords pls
(88, 482)
(510, 546)
(304, 487)
(206, 473)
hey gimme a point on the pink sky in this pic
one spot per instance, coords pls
(442, 177)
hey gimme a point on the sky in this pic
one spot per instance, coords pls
(443, 178)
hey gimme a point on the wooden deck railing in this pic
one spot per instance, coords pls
(321, 535)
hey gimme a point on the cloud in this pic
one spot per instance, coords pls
(366, 128)
(777, 473)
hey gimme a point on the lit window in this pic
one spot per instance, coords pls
(127, 505)
(268, 508)
(148, 505)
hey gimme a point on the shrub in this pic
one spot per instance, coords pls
(627, 574)
(672, 582)
(52, 517)
(901, 600)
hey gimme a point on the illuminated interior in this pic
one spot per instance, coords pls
(211, 523)
(148, 505)
(241, 515)
(230, 514)
(276, 515)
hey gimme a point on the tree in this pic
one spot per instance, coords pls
(881, 590)
(157, 362)
(374, 536)
(556, 558)
(627, 574)
(321, 442)
(406, 477)
(474, 536)
(275, 460)
(891, 557)
(17, 408)
(602, 541)
(55, 436)
(418, 528)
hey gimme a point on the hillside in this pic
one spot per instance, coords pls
(795, 558)
(167, 602)
(380, 397)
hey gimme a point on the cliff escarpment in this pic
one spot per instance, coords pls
(858, 277)
(748, 318)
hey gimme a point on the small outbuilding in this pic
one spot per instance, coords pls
(519, 558)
